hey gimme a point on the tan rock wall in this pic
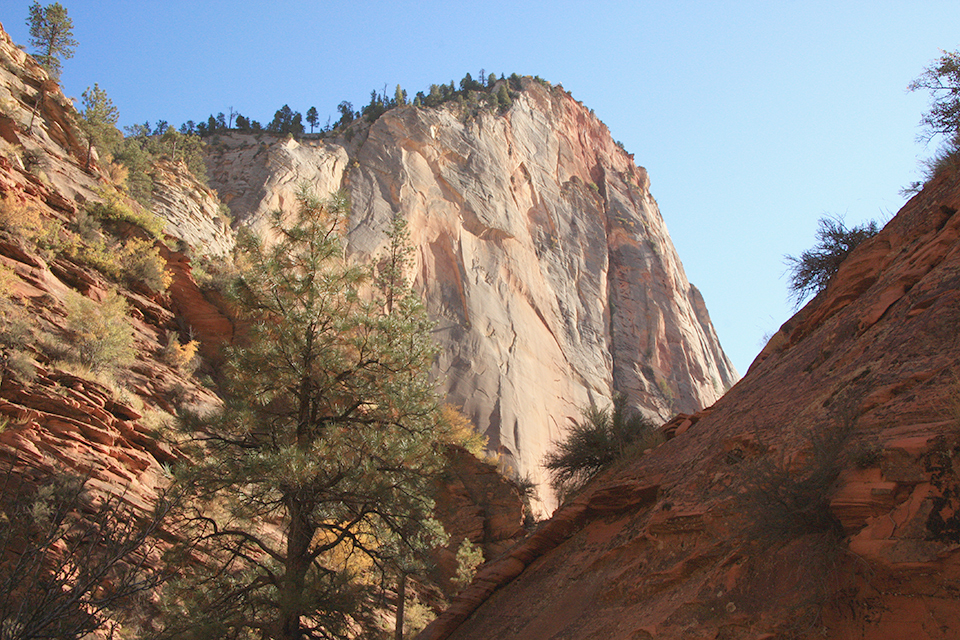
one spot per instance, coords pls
(540, 251)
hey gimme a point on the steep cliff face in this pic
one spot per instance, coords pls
(817, 498)
(114, 426)
(541, 253)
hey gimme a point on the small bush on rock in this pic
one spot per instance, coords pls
(594, 443)
(811, 272)
(103, 336)
(469, 557)
(785, 501)
(142, 262)
(182, 357)
(113, 207)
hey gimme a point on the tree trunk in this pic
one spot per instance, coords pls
(401, 601)
(297, 563)
(36, 108)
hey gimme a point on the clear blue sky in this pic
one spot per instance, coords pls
(753, 118)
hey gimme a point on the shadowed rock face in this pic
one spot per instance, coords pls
(818, 498)
(540, 251)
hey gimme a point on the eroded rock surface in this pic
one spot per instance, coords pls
(818, 498)
(541, 253)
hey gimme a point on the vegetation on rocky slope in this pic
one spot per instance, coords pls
(302, 484)
(487, 91)
(97, 370)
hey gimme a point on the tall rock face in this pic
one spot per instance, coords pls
(819, 498)
(115, 427)
(542, 256)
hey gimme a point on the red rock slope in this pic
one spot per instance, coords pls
(820, 497)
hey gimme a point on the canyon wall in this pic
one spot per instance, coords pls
(540, 251)
(819, 498)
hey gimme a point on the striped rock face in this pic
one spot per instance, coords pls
(540, 252)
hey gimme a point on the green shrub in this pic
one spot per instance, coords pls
(21, 365)
(114, 208)
(182, 357)
(7, 279)
(86, 226)
(133, 261)
(142, 262)
(100, 254)
(469, 557)
(462, 432)
(159, 425)
(16, 326)
(594, 443)
(784, 501)
(104, 338)
(27, 220)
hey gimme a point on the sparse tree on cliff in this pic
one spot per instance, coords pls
(504, 101)
(942, 80)
(346, 113)
(99, 121)
(51, 34)
(391, 278)
(327, 439)
(312, 118)
(811, 272)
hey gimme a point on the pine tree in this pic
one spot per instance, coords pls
(326, 446)
(51, 34)
(390, 278)
(99, 121)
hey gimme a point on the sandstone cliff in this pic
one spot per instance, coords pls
(114, 427)
(818, 498)
(60, 417)
(540, 251)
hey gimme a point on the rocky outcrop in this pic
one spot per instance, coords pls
(476, 503)
(59, 418)
(817, 498)
(542, 256)
(41, 153)
(191, 210)
(115, 428)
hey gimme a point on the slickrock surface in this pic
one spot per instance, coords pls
(682, 543)
(191, 210)
(541, 253)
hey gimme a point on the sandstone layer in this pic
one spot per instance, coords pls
(115, 428)
(540, 251)
(818, 498)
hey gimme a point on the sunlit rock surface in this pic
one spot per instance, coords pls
(543, 258)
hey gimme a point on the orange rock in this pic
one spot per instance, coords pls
(869, 364)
